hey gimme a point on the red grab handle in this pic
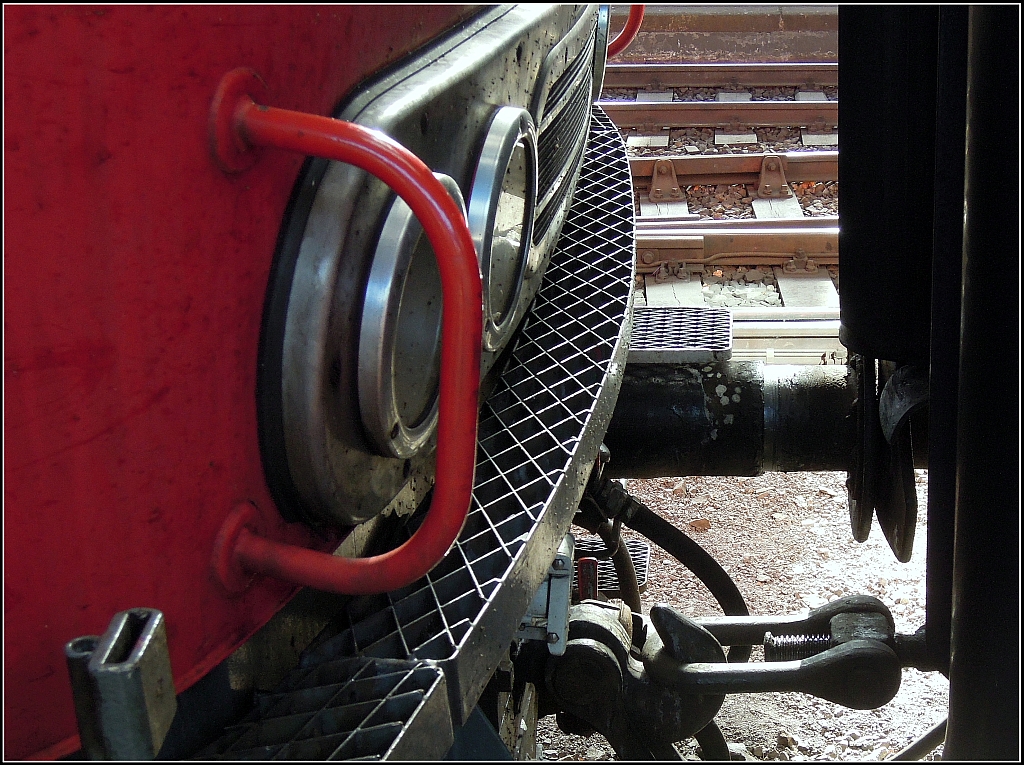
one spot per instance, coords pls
(237, 124)
(628, 33)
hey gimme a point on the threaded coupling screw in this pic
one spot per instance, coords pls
(794, 647)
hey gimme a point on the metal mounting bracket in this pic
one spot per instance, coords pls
(547, 618)
(772, 183)
(664, 186)
(123, 688)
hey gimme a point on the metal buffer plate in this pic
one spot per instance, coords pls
(501, 211)
(539, 434)
(682, 335)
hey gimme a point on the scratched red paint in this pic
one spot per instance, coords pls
(135, 273)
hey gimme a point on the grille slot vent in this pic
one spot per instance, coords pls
(569, 77)
(607, 579)
(346, 709)
(557, 143)
(561, 136)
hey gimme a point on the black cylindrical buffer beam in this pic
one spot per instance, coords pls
(730, 418)
(984, 679)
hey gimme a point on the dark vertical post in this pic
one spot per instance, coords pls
(947, 253)
(984, 682)
(886, 157)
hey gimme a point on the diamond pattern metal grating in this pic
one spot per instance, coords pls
(539, 434)
(346, 709)
(680, 335)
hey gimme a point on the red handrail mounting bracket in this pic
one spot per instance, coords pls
(238, 125)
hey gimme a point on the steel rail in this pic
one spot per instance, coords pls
(724, 114)
(658, 226)
(707, 169)
(660, 76)
(742, 19)
(747, 247)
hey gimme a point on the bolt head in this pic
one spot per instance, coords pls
(657, 194)
(552, 637)
(647, 257)
(558, 564)
(662, 169)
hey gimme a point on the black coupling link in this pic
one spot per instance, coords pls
(844, 652)
(645, 688)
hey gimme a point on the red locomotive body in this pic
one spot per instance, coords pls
(226, 388)
(135, 277)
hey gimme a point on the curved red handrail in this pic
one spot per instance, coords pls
(237, 124)
(628, 33)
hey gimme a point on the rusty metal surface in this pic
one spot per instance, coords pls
(813, 114)
(765, 226)
(658, 76)
(664, 185)
(773, 184)
(709, 169)
(694, 246)
(734, 18)
(701, 33)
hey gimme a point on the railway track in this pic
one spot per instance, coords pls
(775, 271)
(733, 33)
(812, 76)
(736, 116)
(697, 169)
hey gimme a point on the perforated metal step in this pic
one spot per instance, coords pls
(680, 335)
(346, 709)
(539, 434)
(607, 579)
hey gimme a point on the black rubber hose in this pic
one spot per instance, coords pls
(924, 745)
(713, 745)
(673, 541)
(625, 571)
(629, 589)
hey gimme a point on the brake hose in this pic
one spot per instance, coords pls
(672, 540)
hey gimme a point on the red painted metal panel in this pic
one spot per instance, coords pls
(135, 273)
